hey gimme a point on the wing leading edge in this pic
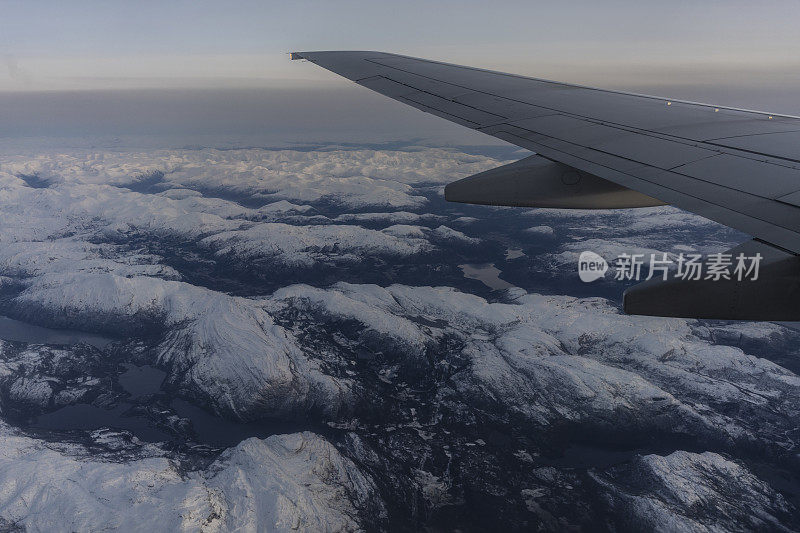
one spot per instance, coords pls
(737, 167)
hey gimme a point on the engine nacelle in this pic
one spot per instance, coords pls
(539, 182)
(775, 295)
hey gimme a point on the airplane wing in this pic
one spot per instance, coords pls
(604, 149)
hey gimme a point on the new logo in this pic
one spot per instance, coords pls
(591, 266)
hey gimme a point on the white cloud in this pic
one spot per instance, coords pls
(90, 194)
(351, 178)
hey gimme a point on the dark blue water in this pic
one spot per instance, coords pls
(141, 381)
(14, 330)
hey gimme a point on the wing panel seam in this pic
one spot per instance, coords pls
(680, 192)
(674, 138)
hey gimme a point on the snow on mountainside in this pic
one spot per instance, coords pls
(98, 199)
(443, 403)
(609, 233)
(396, 217)
(673, 493)
(557, 368)
(303, 246)
(37, 378)
(353, 178)
(226, 349)
(61, 269)
(551, 359)
(296, 482)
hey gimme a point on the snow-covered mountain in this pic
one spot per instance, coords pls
(327, 353)
(285, 482)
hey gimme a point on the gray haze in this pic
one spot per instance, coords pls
(274, 117)
(211, 72)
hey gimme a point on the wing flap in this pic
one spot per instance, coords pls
(744, 175)
(784, 144)
(736, 127)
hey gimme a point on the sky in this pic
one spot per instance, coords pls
(111, 43)
(744, 54)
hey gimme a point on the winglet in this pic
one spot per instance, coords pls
(295, 55)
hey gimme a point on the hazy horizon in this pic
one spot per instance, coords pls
(236, 117)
